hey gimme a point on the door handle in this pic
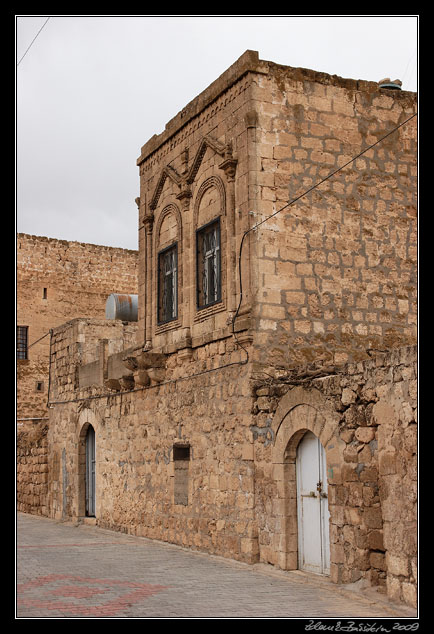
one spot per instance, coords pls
(312, 494)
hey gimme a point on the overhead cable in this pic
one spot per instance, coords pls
(97, 396)
(28, 48)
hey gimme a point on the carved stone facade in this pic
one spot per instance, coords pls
(260, 319)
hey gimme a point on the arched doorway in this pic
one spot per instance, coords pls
(312, 506)
(90, 472)
(299, 412)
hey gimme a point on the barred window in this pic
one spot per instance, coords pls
(208, 265)
(168, 284)
(22, 342)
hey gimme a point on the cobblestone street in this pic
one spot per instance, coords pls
(69, 571)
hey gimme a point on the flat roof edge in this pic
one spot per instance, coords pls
(248, 62)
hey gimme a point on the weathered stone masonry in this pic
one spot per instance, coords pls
(56, 281)
(239, 431)
(199, 408)
(365, 415)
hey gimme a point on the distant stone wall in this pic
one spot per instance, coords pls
(32, 467)
(58, 280)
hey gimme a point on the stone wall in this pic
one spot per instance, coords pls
(58, 280)
(202, 404)
(204, 455)
(32, 468)
(197, 443)
(366, 417)
(337, 269)
(328, 277)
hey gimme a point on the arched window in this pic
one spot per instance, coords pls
(210, 241)
(209, 290)
(168, 284)
(168, 250)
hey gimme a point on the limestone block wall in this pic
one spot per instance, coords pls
(193, 172)
(203, 452)
(171, 458)
(330, 276)
(336, 271)
(32, 468)
(58, 280)
(79, 343)
(366, 418)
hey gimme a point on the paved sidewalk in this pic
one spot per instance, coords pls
(68, 571)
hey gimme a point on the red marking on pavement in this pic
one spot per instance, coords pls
(77, 592)
(128, 593)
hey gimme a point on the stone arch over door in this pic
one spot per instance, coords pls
(299, 411)
(86, 419)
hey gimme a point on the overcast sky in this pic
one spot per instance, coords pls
(91, 90)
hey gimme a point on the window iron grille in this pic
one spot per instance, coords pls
(168, 284)
(22, 344)
(208, 265)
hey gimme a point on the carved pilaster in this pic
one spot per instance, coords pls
(251, 119)
(229, 163)
(148, 223)
(229, 166)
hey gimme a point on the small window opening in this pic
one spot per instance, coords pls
(181, 460)
(181, 453)
(22, 342)
(39, 386)
(44, 293)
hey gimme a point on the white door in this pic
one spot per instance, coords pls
(312, 506)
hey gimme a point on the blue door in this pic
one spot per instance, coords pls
(90, 472)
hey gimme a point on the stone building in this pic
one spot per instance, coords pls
(57, 280)
(266, 410)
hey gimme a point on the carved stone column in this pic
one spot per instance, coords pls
(184, 198)
(148, 222)
(228, 165)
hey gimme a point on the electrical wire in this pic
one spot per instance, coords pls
(28, 48)
(43, 337)
(297, 198)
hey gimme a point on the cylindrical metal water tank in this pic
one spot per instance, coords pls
(124, 307)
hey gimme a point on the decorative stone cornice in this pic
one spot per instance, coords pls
(249, 62)
(167, 172)
(188, 176)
